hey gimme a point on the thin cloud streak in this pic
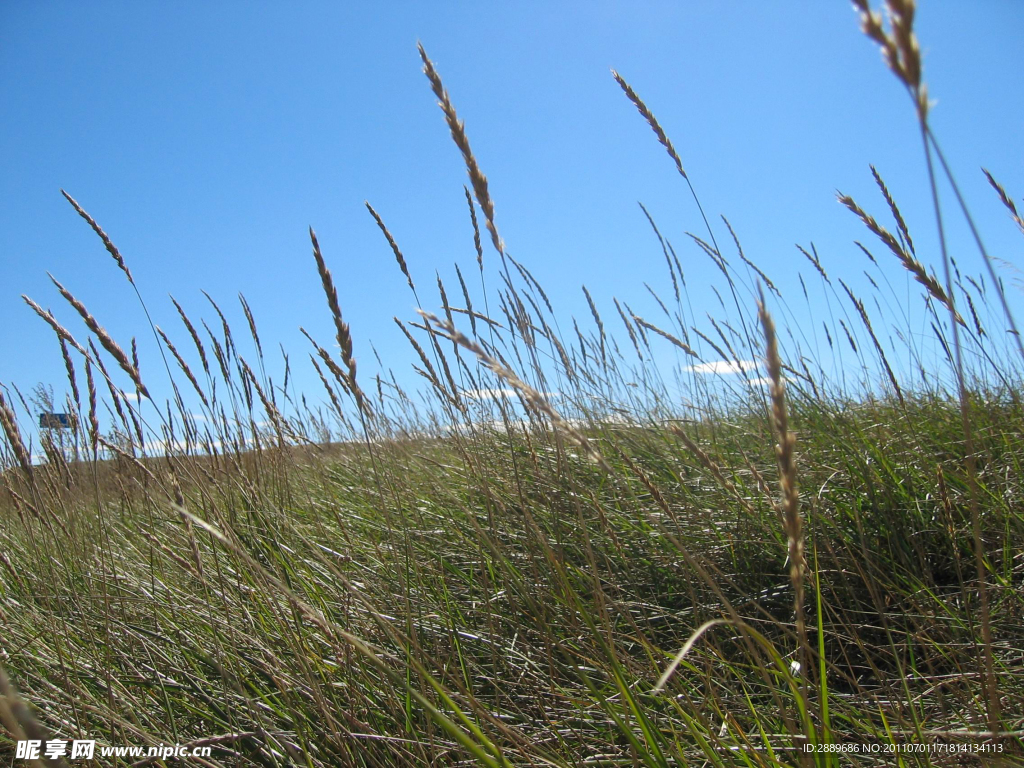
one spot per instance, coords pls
(724, 366)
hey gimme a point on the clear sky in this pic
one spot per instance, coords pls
(206, 137)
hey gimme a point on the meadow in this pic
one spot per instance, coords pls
(796, 568)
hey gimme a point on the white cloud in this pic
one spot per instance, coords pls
(487, 394)
(495, 394)
(724, 366)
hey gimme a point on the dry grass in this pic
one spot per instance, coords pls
(647, 115)
(785, 452)
(112, 347)
(107, 242)
(344, 335)
(458, 131)
(394, 246)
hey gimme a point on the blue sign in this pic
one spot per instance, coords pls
(54, 421)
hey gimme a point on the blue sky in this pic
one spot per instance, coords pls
(206, 137)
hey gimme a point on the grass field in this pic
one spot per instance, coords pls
(797, 568)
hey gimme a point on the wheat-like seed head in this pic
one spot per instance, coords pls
(911, 264)
(664, 250)
(116, 395)
(268, 406)
(666, 335)
(814, 260)
(597, 319)
(743, 257)
(894, 208)
(476, 229)
(332, 366)
(427, 365)
(785, 451)
(458, 130)
(218, 353)
(629, 329)
(1005, 198)
(900, 49)
(105, 339)
(195, 336)
(252, 324)
(70, 368)
(343, 336)
(183, 365)
(391, 241)
(327, 386)
(444, 299)
(94, 424)
(59, 329)
(646, 113)
(229, 342)
(467, 299)
(102, 235)
(10, 426)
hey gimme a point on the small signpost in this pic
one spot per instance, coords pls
(54, 421)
